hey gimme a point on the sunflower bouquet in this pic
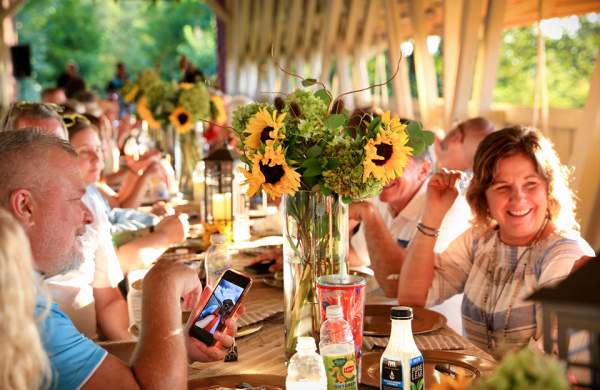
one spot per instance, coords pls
(172, 111)
(309, 148)
(308, 142)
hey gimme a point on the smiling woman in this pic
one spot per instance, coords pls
(524, 237)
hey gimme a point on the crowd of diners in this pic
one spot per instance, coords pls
(476, 223)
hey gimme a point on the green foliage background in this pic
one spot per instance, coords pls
(98, 34)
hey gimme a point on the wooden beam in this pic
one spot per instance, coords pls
(329, 33)
(424, 67)
(357, 8)
(309, 27)
(485, 79)
(233, 58)
(584, 157)
(453, 13)
(471, 22)
(343, 71)
(266, 35)
(255, 29)
(293, 26)
(279, 28)
(400, 83)
(244, 29)
(371, 21)
(360, 80)
(219, 11)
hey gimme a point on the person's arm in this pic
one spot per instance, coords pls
(386, 255)
(111, 313)
(142, 251)
(160, 359)
(418, 270)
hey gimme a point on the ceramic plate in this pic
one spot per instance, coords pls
(378, 323)
(438, 364)
(268, 382)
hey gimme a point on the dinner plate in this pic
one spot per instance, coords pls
(269, 382)
(438, 364)
(378, 322)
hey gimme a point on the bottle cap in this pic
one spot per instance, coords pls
(217, 238)
(401, 313)
(305, 343)
(334, 311)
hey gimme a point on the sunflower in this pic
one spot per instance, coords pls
(131, 94)
(182, 120)
(185, 86)
(263, 127)
(146, 114)
(220, 114)
(272, 172)
(392, 123)
(387, 154)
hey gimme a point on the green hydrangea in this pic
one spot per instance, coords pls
(242, 115)
(147, 78)
(347, 178)
(160, 98)
(196, 101)
(526, 369)
(312, 113)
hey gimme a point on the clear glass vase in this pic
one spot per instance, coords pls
(315, 234)
(187, 155)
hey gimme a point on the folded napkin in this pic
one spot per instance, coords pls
(425, 342)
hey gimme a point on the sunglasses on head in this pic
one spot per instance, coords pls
(71, 119)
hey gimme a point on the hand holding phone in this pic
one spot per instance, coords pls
(222, 304)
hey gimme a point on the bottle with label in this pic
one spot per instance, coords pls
(402, 365)
(337, 350)
(306, 370)
(218, 259)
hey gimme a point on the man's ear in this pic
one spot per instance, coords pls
(424, 170)
(22, 206)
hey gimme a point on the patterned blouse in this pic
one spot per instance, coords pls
(496, 278)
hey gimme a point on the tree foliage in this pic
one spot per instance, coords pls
(569, 60)
(98, 34)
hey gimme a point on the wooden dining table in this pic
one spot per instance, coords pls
(263, 351)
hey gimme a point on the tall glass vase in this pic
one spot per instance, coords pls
(315, 234)
(187, 155)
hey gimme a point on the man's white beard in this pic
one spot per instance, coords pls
(75, 258)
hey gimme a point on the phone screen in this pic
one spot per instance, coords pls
(221, 305)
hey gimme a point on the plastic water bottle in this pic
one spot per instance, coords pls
(218, 259)
(306, 370)
(337, 350)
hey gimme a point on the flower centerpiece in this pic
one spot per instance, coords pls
(172, 111)
(307, 147)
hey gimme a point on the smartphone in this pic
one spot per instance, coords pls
(222, 304)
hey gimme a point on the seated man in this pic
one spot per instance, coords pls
(457, 149)
(41, 186)
(35, 115)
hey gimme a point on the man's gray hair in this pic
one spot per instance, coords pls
(19, 151)
(31, 110)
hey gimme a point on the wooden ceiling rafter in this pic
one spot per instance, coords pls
(309, 27)
(219, 10)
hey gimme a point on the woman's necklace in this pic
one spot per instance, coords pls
(488, 315)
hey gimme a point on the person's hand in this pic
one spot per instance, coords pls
(144, 161)
(225, 339)
(173, 275)
(155, 170)
(162, 208)
(174, 228)
(442, 191)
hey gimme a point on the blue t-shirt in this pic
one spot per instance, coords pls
(73, 357)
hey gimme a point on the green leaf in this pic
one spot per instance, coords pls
(332, 163)
(324, 96)
(312, 171)
(308, 82)
(326, 191)
(311, 163)
(428, 137)
(310, 181)
(374, 123)
(314, 151)
(346, 199)
(335, 120)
